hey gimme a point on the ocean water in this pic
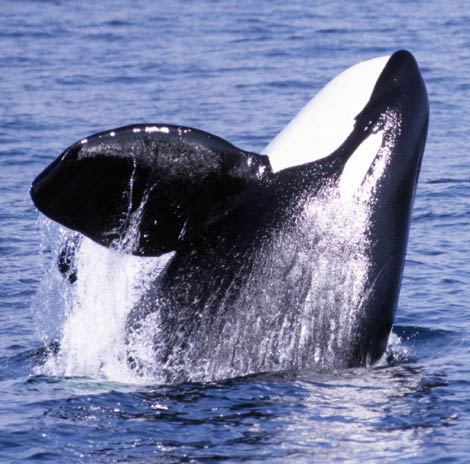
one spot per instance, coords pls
(240, 70)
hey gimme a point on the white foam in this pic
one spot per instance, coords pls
(289, 313)
(93, 338)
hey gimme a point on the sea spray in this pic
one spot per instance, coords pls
(91, 313)
(295, 305)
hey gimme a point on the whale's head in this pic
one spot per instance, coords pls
(362, 138)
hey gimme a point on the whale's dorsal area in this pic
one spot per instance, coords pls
(288, 259)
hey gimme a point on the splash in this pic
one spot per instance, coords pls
(88, 318)
(298, 304)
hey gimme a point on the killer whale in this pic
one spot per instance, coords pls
(243, 291)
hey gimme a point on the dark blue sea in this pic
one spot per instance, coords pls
(240, 70)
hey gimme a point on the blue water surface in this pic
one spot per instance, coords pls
(240, 70)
